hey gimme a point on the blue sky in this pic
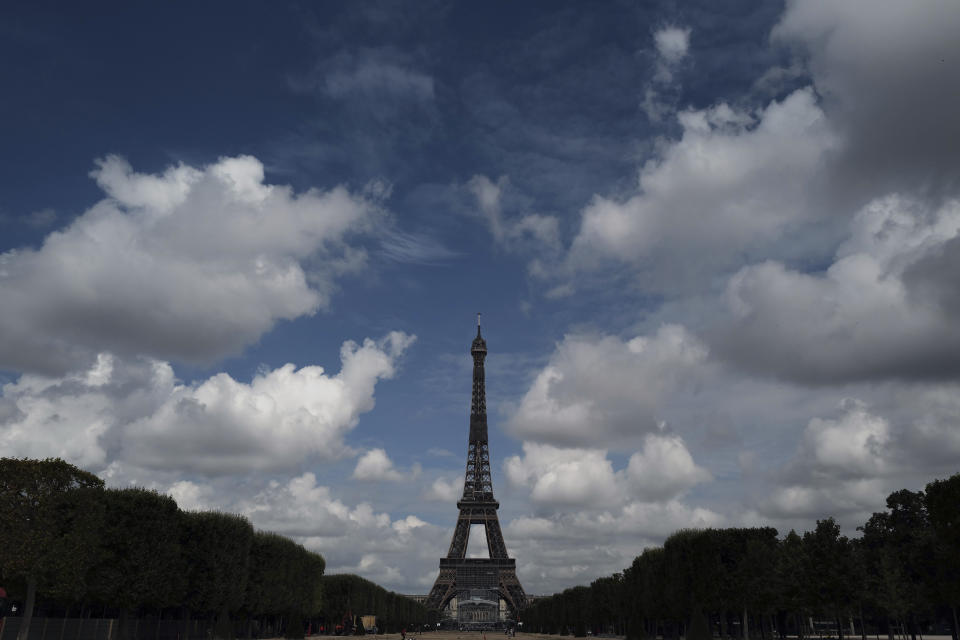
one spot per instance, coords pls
(714, 244)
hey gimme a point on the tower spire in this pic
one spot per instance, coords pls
(477, 482)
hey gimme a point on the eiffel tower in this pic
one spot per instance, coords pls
(463, 577)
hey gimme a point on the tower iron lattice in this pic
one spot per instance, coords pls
(459, 575)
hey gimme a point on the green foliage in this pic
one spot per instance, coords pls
(346, 596)
(828, 569)
(42, 504)
(63, 536)
(216, 551)
(907, 561)
(49, 516)
(138, 559)
(943, 509)
(283, 577)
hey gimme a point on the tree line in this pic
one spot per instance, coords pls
(898, 577)
(347, 597)
(70, 543)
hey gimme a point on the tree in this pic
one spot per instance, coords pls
(47, 524)
(898, 556)
(828, 570)
(346, 596)
(139, 561)
(943, 509)
(604, 603)
(216, 549)
(789, 575)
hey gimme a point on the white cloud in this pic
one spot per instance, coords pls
(672, 43)
(664, 468)
(603, 391)
(843, 466)
(884, 308)
(444, 491)
(853, 444)
(734, 182)
(575, 477)
(887, 71)
(564, 477)
(191, 496)
(376, 465)
(66, 417)
(576, 548)
(191, 264)
(657, 520)
(138, 413)
(302, 508)
(852, 499)
(661, 94)
(353, 539)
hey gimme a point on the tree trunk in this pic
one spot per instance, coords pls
(28, 608)
(839, 627)
(956, 627)
(746, 630)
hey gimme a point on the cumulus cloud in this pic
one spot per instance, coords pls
(301, 507)
(191, 496)
(604, 390)
(137, 412)
(845, 465)
(591, 519)
(564, 477)
(664, 468)
(735, 182)
(443, 490)
(355, 539)
(375, 465)
(884, 307)
(63, 417)
(190, 264)
(570, 477)
(577, 547)
(887, 71)
(853, 444)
